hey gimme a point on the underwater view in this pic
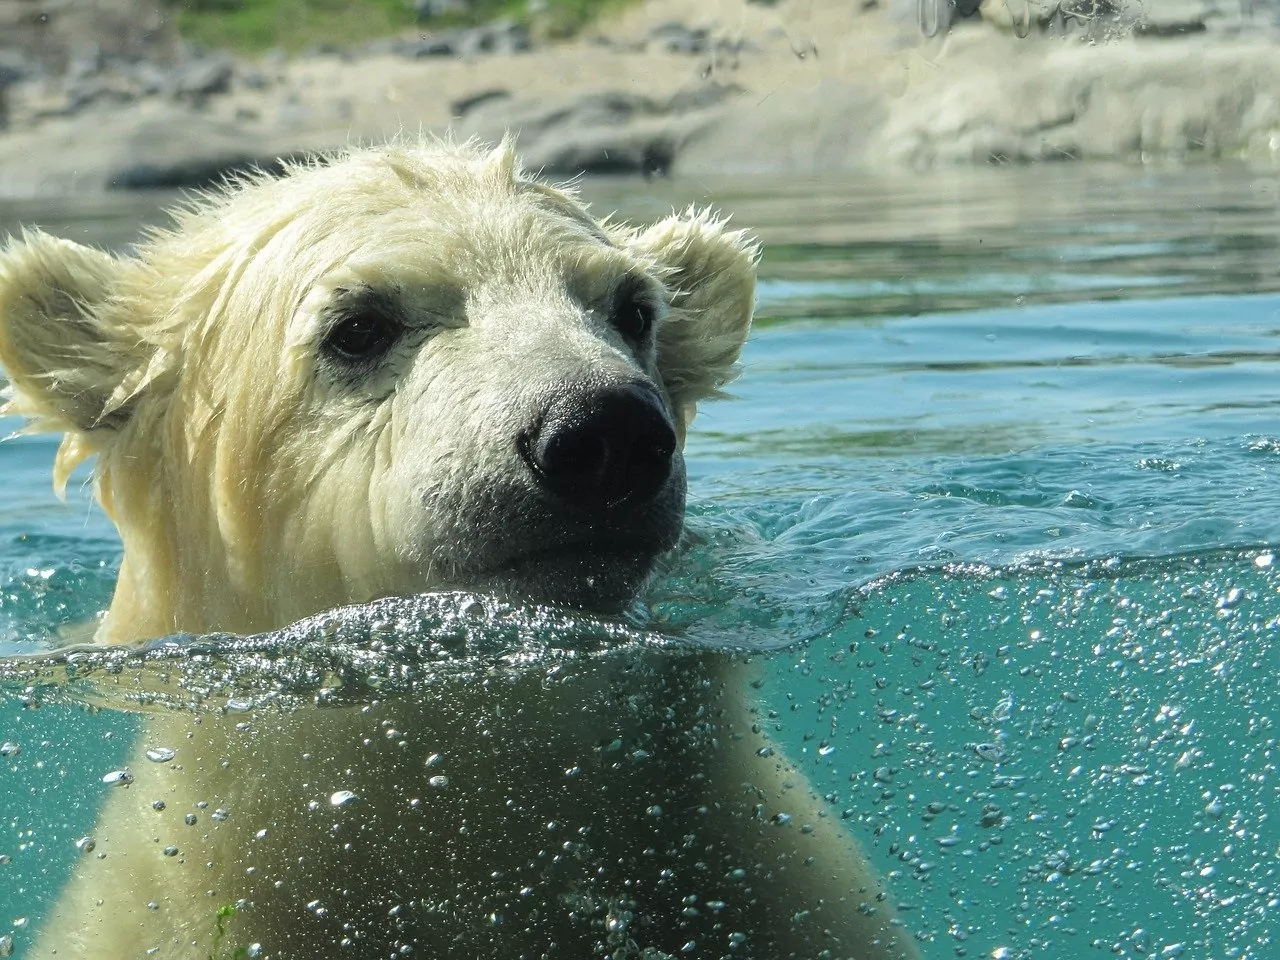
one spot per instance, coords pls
(984, 540)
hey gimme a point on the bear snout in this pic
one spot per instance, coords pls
(601, 447)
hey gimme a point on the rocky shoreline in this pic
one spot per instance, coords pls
(785, 87)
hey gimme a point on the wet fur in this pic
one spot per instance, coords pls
(252, 488)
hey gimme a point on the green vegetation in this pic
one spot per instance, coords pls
(225, 913)
(257, 25)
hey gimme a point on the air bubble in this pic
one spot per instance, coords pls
(991, 752)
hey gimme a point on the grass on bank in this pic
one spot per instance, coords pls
(251, 26)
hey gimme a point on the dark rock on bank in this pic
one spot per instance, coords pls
(203, 77)
(501, 36)
(600, 133)
(55, 33)
(460, 108)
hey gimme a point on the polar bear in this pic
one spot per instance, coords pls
(402, 369)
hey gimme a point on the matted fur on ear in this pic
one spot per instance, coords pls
(710, 272)
(62, 364)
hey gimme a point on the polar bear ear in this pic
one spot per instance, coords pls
(62, 364)
(710, 273)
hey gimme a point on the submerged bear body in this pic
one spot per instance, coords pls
(406, 369)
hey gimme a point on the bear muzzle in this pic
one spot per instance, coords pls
(605, 498)
(603, 448)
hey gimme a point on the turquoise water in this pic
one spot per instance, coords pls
(997, 499)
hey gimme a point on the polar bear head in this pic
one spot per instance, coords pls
(405, 368)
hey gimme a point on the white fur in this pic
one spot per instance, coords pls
(253, 486)
(250, 493)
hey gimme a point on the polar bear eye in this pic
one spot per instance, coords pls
(364, 329)
(362, 337)
(634, 312)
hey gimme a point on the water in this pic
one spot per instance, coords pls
(996, 497)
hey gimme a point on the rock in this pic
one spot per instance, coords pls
(675, 37)
(1173, 18)
(600, 133)
(431, 9)
(613, 43)
(787, 134)
(501, 36)
(442, 45)
(203, 77)
(88, 63)
(191, 172)
(459, 108)
(11, 72)
(337, 50)
(251, 79)
(148, 156)
(55, 33)
(510, 37)
(1103, 19)
(1174, 100)
(702, 96)
(149, 78)
(104, 88)
(169, 145)
(13, 68)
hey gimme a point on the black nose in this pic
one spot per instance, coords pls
(604, 446)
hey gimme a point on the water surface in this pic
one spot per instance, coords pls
(997, 496)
